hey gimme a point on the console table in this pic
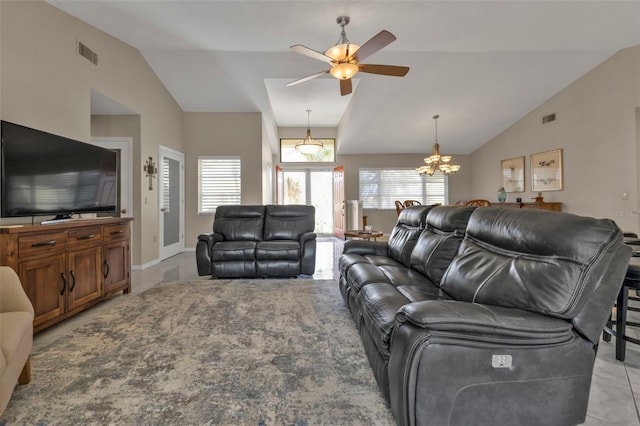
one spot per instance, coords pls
(67, 267)
(553, 206)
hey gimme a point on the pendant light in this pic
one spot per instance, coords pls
(309, 145)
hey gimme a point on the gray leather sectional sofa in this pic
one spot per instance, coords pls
(259, 241)
(485, 316)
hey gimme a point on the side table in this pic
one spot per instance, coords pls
(364, 235)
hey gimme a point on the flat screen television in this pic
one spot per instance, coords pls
(44, 174)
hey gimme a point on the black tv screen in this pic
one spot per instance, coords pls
(45, 174)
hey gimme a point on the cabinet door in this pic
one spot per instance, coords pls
(85, 276)
(46, 284)
(116, 266)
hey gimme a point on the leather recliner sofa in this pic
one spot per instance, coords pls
(259, 241)
(486, 316)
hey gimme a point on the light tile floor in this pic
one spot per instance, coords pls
(615, 389)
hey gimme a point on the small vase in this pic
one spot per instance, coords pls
(502, 195)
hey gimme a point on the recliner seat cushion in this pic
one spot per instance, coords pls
(379, 304)
(278, 250)
(233, 250)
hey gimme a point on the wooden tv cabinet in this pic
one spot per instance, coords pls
(70, 266)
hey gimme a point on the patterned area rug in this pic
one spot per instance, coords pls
(228, 352)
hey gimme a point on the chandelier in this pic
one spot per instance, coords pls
(436, 161)
(309, 145)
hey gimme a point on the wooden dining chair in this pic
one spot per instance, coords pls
(399, 206)
(409, 203)
(478, 203)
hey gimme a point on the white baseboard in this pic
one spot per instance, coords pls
(145, 265)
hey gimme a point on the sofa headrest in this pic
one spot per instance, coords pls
(239, 223)
(288, 222)
(541, 233)
(404, 235)
(438, 244)
(414, 216)
(449, 218)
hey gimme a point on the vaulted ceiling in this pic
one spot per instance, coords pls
(481, 65)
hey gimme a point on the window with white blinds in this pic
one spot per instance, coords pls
(218, 182)
(379, 188)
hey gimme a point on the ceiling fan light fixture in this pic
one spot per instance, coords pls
(341, 52)
(344, 71)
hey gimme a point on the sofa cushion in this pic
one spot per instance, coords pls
(404, 235)
(233, 251)
(288, 222)
(239, 222)
(278, 250)
(379, 303)
(506, 260)
(439, 242)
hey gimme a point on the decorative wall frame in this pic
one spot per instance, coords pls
(546, 171)
(513, 174)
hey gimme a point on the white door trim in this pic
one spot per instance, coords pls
(124, 144)
(166, 252)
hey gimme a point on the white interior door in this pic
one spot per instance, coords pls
(123, 146)
(171, 202)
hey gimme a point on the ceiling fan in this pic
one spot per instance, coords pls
(345, 58)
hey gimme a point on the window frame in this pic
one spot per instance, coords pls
(236, 183)
(385, 200)
(293, 141)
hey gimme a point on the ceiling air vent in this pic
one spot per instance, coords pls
(548, 118)
(87, 53)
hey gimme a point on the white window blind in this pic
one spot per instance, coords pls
(218, 182)
(379, 188)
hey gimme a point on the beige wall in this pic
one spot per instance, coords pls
(220, 133)
(597, 129)
(46, 85)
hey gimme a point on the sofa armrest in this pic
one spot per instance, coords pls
(12, 295)
(307, 236)
(485, 323)
(307, 253)
(203, 252)
(363, 247)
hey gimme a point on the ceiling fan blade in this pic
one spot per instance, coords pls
(377, 42)
(345, 87)
(307, 78)
(311, 53)
(391, 70)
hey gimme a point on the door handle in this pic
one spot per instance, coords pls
(123, 211)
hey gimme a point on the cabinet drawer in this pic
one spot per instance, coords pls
(85, 237)
(116, 232)
(35, 245)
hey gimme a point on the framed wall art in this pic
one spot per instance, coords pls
(546, 171)
(513, 174)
